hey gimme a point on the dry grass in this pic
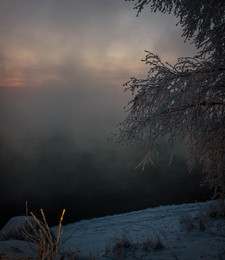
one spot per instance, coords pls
(121, 248)
(48, 245)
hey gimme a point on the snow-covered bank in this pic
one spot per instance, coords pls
(182, 232)
(96, 235)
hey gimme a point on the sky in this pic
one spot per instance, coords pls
(96, 44)
(62, 69)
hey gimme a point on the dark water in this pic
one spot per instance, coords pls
(53, 169)
(88, 183)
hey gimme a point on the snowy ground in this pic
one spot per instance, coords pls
(167, 232)
(185, 232)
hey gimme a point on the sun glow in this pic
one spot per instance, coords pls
(29, 68)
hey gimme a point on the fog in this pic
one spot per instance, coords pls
(62, 67)
(55, 154)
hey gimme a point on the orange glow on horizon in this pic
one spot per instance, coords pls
(23, 81)
(36, 68)
(11, 83)
(30, 68)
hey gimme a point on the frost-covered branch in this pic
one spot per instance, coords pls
(184, 101)
(187, 100)
(203, 21)
(185, 95)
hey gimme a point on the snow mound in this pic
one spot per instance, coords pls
(15, 228)
(18, 228)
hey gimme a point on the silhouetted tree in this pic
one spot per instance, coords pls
(185, 101)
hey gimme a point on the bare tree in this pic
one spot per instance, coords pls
(185, 101)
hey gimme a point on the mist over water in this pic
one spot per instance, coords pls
(69, 60)
(55, 154)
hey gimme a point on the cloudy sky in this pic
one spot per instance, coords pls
(96, 43)
(84, 51)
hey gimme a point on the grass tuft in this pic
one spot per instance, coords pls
(48, 245)
(123, 247)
